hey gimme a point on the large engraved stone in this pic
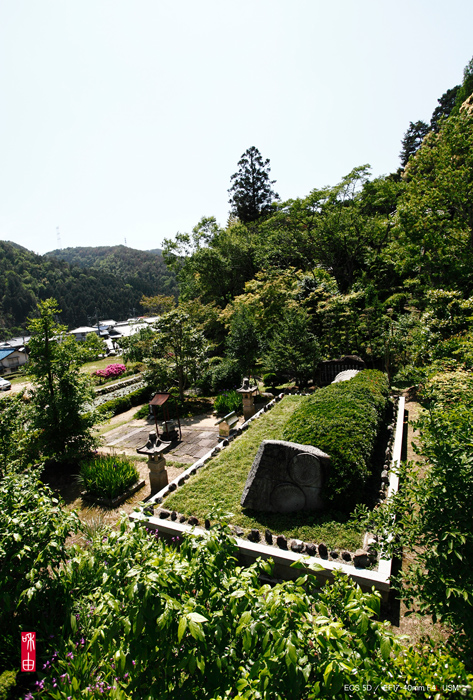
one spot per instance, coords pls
(286, 477)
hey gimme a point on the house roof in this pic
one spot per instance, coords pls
(84, 329)
(15, 342)
(5, 353)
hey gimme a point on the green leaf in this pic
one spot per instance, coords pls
(196, 617)
(196, 630)
(246, 641)
(291, 652)
(182, 627)
(385, 648)
(328, 673)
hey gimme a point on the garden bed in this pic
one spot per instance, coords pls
(220, 484)
(321, 566)
(114, 502)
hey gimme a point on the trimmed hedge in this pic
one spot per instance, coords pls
(343, 419)
(124, 403)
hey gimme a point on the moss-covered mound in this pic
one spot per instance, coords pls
(343, 420)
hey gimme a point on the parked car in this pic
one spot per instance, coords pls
(5, 385)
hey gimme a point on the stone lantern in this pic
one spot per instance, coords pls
(248, 394)
(158, 476)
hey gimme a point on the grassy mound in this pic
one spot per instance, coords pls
(220, 483)
(343, 420)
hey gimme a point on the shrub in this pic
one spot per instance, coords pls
(343, 420)
(124, 403)
(111, 371)
(7, 683)
(149, 621)
(230, 401)
(108, 476)
(33, 532)
(143, 412)
(220, 376)
(271, 379)
(431, 516)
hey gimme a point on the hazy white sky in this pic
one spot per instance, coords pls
(124, 119)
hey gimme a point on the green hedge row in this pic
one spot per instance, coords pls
(343, 420)
(124, 403)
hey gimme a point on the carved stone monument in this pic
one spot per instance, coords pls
(286, 477)
(158, 476)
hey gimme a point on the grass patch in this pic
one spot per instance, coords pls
(221, 483)
(98, 364)
(108, 476)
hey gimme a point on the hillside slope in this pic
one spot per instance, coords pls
(111, 288)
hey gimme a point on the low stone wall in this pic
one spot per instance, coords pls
(109, 388)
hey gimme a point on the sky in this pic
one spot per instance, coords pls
(122, 121)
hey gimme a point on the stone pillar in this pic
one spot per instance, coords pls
(249, 408)
(248, 395)
(158, 475)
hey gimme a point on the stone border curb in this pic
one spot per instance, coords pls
(113, 503)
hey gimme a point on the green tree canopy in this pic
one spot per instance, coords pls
(251, 194)
(412, 140)
(436, 210)
(179, 352)
(62, 421)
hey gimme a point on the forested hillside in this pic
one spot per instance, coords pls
(118, 260)
(381, 268)
(112, 287)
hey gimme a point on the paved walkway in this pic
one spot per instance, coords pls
(199, 435)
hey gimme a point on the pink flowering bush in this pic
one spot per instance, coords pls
(111, 371)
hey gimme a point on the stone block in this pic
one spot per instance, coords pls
(286, 477)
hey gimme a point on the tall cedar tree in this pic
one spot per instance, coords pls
(251, 194)
(412, 140)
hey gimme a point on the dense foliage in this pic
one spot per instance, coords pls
(229, 401)
(60, 423)
(343, 420)
(107, 476)
(33, 531)
(16, 448)
(110, 287)
(135, 618)
(432, 514)
(354, 265)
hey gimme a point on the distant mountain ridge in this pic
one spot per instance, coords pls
(120, 257)
(108, 281)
